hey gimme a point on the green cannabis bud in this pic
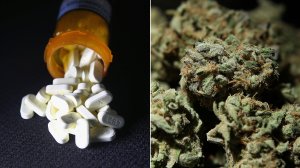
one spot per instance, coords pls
(214, 69)
(253, 135)
(227, 63)
(291, 94)
(165, 61)
(199, 19)
(175, 128)
(283, 37)
(165, 49)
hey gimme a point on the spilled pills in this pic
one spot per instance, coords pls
(76, 104)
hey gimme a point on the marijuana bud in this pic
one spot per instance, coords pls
(296, 152)
(175, 128)
(282, 36)
(261, 153)
(253, 135)
(291, 124)
(165, 59)
(165, 49)
(229, 61)
(291, 94)
(214, 69)
(199, 19)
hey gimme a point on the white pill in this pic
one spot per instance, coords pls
(58, 134)
(75, 98)
(108, 109)
(62, 103)
(68, 81)
(86, 114)
(96, 88)
(83, 94)
(98, 100)
(60, 113)
(73, 72)
(74, 57)
(83, 86)
(59, 89)
(71, 130)
(68, 120)
(32, 103)
(85, 75)
(102, 134)
(42, 96)
(82, 135)
(110, 119)
(95, 73)
(51, 111)
(25, 111)
(88, 55)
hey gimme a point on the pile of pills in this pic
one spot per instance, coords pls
(76, 104)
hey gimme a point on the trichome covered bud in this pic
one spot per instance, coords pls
(214, 69)
(175, 128)
(200, 19)
(253, 135)
(166, 49)
(291, 94)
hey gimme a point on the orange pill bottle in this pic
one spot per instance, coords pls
(81, 23)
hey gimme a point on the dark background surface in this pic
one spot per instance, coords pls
(25, 29)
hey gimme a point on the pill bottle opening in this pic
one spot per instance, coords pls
(70, 55)
(58, 51)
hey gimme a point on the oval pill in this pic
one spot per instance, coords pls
(86, 114)
(32, 103)
(102, 134)
(42, 96)
(82, 135)
(74, 57)
(83, 94)
(68, 81)
(96, 88)
(25, 111)
(51, 111)
(68, 120)
(95, 72)
(58, 134)
(73, 72)
(87, 56)
(71, 130)
(58, 89)
(75, 98)
(98, 100)
(83, 86)
(108, 109)
(107, 118)
(62, 103)
(60, 113)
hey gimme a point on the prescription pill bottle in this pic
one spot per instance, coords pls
(80, 23)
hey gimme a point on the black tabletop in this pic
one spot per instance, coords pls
(25, 29)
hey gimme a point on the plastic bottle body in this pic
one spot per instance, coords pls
(78, 27)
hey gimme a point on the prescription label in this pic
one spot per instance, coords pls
(101, 7)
